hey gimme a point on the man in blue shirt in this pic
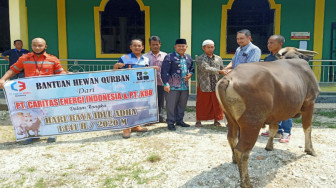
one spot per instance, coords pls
(177, 69)
(245, 53)
(274, 45)
(133, 60)
(14, 55)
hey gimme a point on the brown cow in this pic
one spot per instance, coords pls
(255, 94)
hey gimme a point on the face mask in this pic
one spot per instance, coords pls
(39, 53)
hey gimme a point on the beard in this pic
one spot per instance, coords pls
(40, 52)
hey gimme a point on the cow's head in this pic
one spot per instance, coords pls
(294, 53)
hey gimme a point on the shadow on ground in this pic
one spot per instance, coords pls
(261, 174)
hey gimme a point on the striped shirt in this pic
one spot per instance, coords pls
(156, 61)
(131, 61)
(32, 65)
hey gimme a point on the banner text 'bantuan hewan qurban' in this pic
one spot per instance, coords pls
(72, 103)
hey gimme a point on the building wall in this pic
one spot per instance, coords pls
(297, 16)
(330, 17)
(165, 22)
(80, 29)
(80, 25)
(206, 24)
(42, 22)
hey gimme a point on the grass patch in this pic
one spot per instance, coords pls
(109, 183)
(329, 113)
(297, 120)
(119, 177)
(136, 175)
(58, 183)
(332, 126)
(123, 168)
(40, 183)
(323, 124)
(214, 128)
(91, 169)
(331, 88)
(71, 166)
(21, 181)
(190, 109)
(112, 182)
(131, 172)
(31, 169)
(153, 158)
(317, 123)
(50, 147)
(48, 155)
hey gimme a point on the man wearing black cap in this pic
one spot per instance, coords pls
(177, 69)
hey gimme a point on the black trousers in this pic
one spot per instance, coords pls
(176, 103)
(161, 94)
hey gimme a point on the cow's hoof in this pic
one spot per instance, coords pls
(269, 149)
(311, 152)
(234, 160)
(245, 185)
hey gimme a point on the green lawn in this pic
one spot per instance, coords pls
(328, 87)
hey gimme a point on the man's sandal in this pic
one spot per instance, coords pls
(217, 124)
(198, 124)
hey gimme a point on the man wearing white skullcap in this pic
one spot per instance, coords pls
(208, 41)
(210, 67)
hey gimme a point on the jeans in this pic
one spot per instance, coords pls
(285, 126)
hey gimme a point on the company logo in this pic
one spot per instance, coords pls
(18, 86)
(142, 75)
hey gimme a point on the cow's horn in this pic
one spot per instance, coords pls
(282, 51)
(307, 52)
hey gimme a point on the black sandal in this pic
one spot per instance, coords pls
(217, 124)
(198, 124)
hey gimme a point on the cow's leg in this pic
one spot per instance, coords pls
(273, 129)
(307, 116)
(248, 137)
(232, 135)
(233, 139)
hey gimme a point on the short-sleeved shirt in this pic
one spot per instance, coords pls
(270, 57)
(246, 54)
(32, 65)
(131, 61)
(156, 61)
(14, 55)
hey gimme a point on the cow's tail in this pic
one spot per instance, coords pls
(221, 87)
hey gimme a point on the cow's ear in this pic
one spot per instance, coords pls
(305, 57)
(307, 52)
